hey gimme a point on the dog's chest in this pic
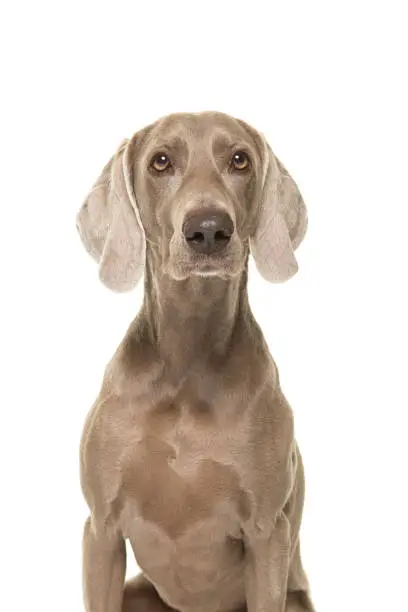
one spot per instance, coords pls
(183, 470)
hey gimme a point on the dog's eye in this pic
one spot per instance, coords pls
(240, 161)
(160, 162)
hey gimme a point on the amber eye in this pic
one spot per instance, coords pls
(240, 161)
(160, 162)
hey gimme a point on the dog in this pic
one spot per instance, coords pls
(189, 452)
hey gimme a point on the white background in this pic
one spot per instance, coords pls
(326, 82)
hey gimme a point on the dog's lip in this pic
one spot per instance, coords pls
(210, 264)
(210, 261)
(204, 265)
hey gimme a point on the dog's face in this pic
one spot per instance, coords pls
(196, 180)
(199, 189)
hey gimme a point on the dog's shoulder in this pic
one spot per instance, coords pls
(101, 449)
(270, 468)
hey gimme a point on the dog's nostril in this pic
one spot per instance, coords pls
(208, 232)
(196, 237)
(221, 235)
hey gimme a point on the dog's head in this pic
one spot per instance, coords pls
(200, 190)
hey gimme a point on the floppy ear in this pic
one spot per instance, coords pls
(109, 224)
(281, 224)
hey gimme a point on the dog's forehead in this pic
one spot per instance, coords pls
(199, 128)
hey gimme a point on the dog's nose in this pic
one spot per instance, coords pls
(208, 232)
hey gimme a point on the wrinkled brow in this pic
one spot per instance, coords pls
(225, 141)
(171, 141)
(165, 143)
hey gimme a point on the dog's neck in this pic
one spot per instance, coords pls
(193, 318)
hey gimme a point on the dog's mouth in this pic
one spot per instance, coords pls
(224, 263)
(208, 265)
(205, 244)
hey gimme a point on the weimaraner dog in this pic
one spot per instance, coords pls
(189, 451)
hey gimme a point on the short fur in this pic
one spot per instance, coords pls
(189, 450)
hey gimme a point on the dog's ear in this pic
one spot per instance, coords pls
(109, 223)
(281, 223)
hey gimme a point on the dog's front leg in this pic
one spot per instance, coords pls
(267, 567)
(104, 566)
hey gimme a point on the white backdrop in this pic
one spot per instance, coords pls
(326, 82)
